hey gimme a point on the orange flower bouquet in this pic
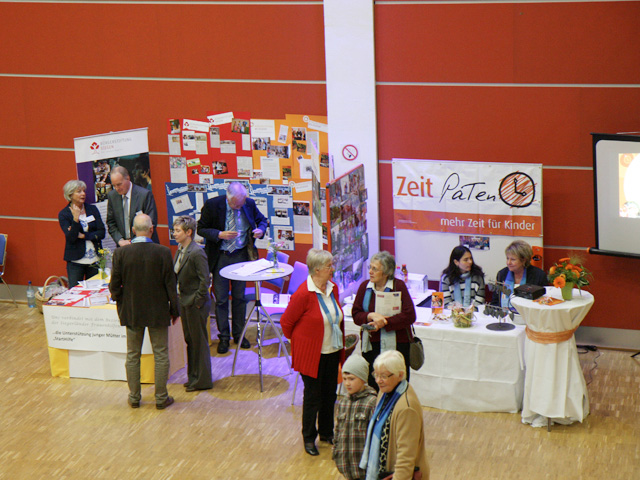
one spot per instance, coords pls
(567, 273)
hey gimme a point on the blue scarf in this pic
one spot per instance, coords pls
(467, 290)
(334, 321)
(510, 283)
(387, 339)
(370, 460)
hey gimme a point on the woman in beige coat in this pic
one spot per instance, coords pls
(395, 437)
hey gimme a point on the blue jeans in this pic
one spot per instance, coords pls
(80, 271)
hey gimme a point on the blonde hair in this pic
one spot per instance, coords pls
(522, 250)
(393, 361)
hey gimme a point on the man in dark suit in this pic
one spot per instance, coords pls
(192, 270)
(127, 200)
(230, 224)
(143, 284)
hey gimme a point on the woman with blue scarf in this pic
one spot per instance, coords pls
(313, 321)
(518, 271)
(384, 332)
(395, 437)
(462, 281)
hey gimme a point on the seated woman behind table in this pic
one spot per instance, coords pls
(518, 271)
(387, 332)
(462, 281)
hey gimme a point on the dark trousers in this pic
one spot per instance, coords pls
(80, 271)
(371, 356)
(221, 291)
(194, 326)
(320, 398)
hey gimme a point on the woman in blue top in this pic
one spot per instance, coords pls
(462, 281)
(83, 231)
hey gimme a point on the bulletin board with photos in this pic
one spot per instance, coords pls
(347, 196)
(283, 162)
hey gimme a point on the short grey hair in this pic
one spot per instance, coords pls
(121, 170)
(70, 188)
(317, 259)
(142, 224)
(185, 222)
(393, 361)
(387, 261)
(236, 189)
(522, 250)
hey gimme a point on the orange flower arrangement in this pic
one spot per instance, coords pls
(569, 269)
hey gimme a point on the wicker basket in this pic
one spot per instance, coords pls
(52, 286)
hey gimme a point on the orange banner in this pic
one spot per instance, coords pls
(471, 223)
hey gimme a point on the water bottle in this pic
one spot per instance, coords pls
(405, 273)
(31, 296)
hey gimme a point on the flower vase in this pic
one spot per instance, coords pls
(275, 262)
(102, 273)
(567, 291)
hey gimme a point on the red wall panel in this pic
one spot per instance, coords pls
(182, 41)
(569, 42)
(501, 124)
(55, 111)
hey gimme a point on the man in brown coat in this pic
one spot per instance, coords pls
(143, 284)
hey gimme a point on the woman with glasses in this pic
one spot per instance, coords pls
(381, 333)
(395, 437)
(313, 321)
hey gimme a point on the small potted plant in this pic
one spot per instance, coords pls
(568, 273)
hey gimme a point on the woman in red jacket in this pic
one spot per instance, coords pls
(313, 322)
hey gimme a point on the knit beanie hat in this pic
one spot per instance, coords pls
(358, 366)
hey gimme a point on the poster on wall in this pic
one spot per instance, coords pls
(349, 241)
(485, 206)
(97, 155)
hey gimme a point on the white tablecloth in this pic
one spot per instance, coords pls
(467, 369)
(554, 383)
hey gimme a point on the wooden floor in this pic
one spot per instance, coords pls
(84, 429)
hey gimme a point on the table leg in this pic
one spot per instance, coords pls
(244, 331)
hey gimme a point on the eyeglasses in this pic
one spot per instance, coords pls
(374, 269)
(380, 376)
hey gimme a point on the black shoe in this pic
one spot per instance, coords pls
(245, 344)
(133, 404)
(191, 388)
(165, 404)
(310, 448)
(223, 346)
(329, 440)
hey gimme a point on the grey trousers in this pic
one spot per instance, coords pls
(159, 337)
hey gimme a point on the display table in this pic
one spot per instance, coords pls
(90, 343)
(231, 272)
(466, 369)
(555, 390)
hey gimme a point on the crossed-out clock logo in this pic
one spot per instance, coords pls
(517, 190)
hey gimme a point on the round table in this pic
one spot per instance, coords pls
(230, 272)
(554, 386)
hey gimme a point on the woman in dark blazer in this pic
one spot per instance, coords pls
(192, 269)
(518, 271)
(83, 230)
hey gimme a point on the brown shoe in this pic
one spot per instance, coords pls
(165, 404)
(133, 404)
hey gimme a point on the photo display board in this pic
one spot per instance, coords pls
(347, 197)
(282, 162)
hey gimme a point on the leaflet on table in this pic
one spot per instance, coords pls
(80, 296)
(253, 267)
(388, 303)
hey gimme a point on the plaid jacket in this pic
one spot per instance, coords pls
(352, 419)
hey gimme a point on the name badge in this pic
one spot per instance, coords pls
(90, 219)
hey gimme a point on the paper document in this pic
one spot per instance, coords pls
(388, 303)
(253, 267)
